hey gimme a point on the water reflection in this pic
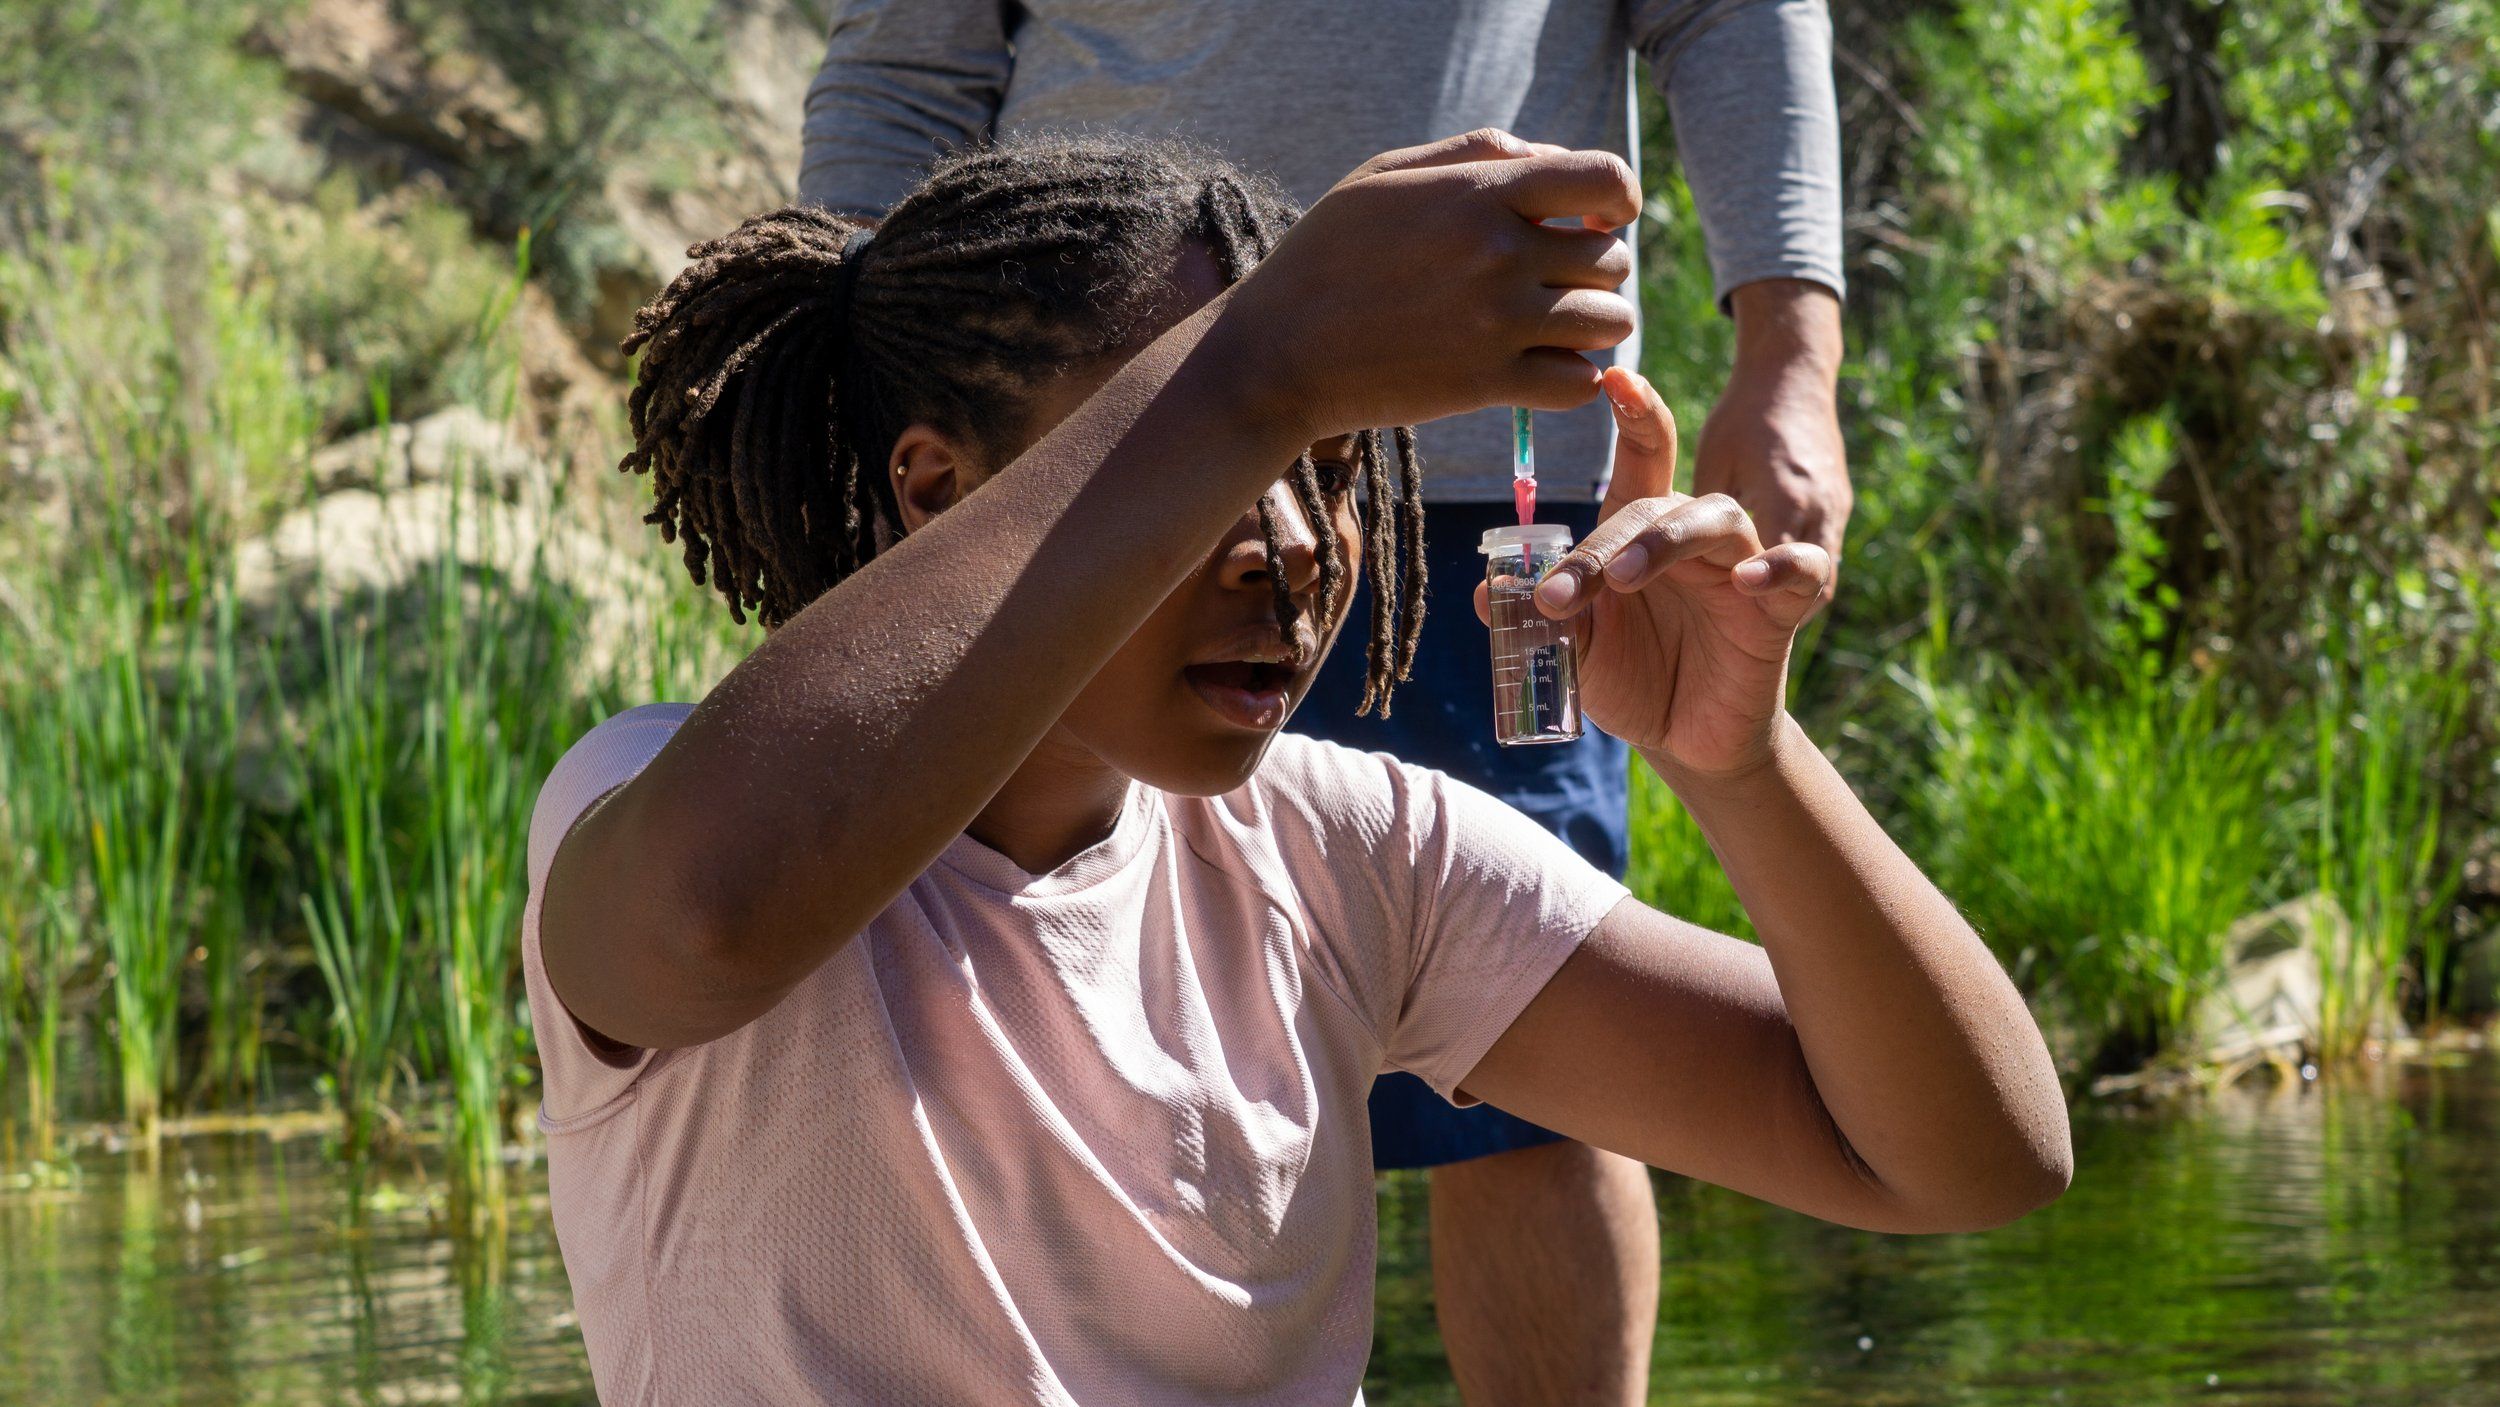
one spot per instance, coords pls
(246, 1269)
(2296, 1248)
(2317, 1247)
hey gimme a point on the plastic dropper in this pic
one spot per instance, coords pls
(1522, 465)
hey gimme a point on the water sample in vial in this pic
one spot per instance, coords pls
(1536, 680)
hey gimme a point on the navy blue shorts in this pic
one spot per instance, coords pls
(1443, 719)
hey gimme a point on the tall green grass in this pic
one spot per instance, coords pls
(37, 800)
(357, 907)
(2386, 714)
(408, 725)
(152, 762)
(2103, 841)
(2105, 833)
(497, 710)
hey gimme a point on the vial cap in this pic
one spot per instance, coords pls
(1545, 535)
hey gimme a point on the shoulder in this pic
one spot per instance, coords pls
(1339, 804)
(1384, 815)
(606, 757)
(1308, 782)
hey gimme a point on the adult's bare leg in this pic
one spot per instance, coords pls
(1545, 1272)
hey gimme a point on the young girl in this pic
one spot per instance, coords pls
(972, 1000)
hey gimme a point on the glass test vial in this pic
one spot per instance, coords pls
(1536, 679)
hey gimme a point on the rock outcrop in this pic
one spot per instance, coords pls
(357, 60)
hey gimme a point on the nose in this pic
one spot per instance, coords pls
(1243, 563)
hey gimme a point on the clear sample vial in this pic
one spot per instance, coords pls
(1536, 680)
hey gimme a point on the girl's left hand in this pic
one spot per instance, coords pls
(1685, 622)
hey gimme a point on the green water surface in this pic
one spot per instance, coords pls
(2336, 1244)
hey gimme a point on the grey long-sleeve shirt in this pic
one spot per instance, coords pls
(1305, 90)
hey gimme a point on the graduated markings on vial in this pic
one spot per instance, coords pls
(1530, 684)
(1540, 689)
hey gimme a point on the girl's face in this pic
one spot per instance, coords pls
(1190, 702)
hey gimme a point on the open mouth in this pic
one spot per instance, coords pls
(1246, 693)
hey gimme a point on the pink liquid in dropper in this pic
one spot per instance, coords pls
(1523, 464)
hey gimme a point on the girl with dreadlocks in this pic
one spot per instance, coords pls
(973, 999)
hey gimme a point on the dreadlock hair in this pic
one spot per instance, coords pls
(777, 371)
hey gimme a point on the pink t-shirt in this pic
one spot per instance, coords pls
(1095, 1136)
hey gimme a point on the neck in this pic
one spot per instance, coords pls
(1063, 801)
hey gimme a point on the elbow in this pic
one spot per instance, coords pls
(2056, 1168)
(2030, 1160)
(2027, 1177)
(692, 981)
(2037, 1181)
(2044, 1166)
(2025, 1169)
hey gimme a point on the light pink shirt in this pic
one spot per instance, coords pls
(1095, 1136)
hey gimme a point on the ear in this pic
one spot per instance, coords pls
(930, 473)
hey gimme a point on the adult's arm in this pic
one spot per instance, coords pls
(1868, 1064)
(1749, 88)
(901, 82)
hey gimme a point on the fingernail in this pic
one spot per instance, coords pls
(1753, 573)
(1559, 591)
(1629, 563)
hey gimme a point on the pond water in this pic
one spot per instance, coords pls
(2328, 1244)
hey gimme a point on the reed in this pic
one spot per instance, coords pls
(219, 879)
(2103, 838)
(36, 895)
(151, 742)
(2385, 716)
(496, 704)
(469, 910)
(347, 763)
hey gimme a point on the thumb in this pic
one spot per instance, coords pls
(1645, 440)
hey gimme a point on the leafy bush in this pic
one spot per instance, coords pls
(395, 295)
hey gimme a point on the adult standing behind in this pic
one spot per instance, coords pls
(1544, 1251)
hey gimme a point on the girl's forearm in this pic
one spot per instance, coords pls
(834, 763)
(1921, 1050)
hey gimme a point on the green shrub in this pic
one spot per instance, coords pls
(396, 294)
(2103, 840)
(2387, 714)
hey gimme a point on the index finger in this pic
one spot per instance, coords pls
(1597, 186)
(1483, 144)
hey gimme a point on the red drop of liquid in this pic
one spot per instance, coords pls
(1523, 496)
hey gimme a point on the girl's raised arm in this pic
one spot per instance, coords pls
(834, 764)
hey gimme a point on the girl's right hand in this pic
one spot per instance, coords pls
(1426, 284)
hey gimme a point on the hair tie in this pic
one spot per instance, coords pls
(846, 273)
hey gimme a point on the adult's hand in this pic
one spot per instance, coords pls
(1772, 442)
